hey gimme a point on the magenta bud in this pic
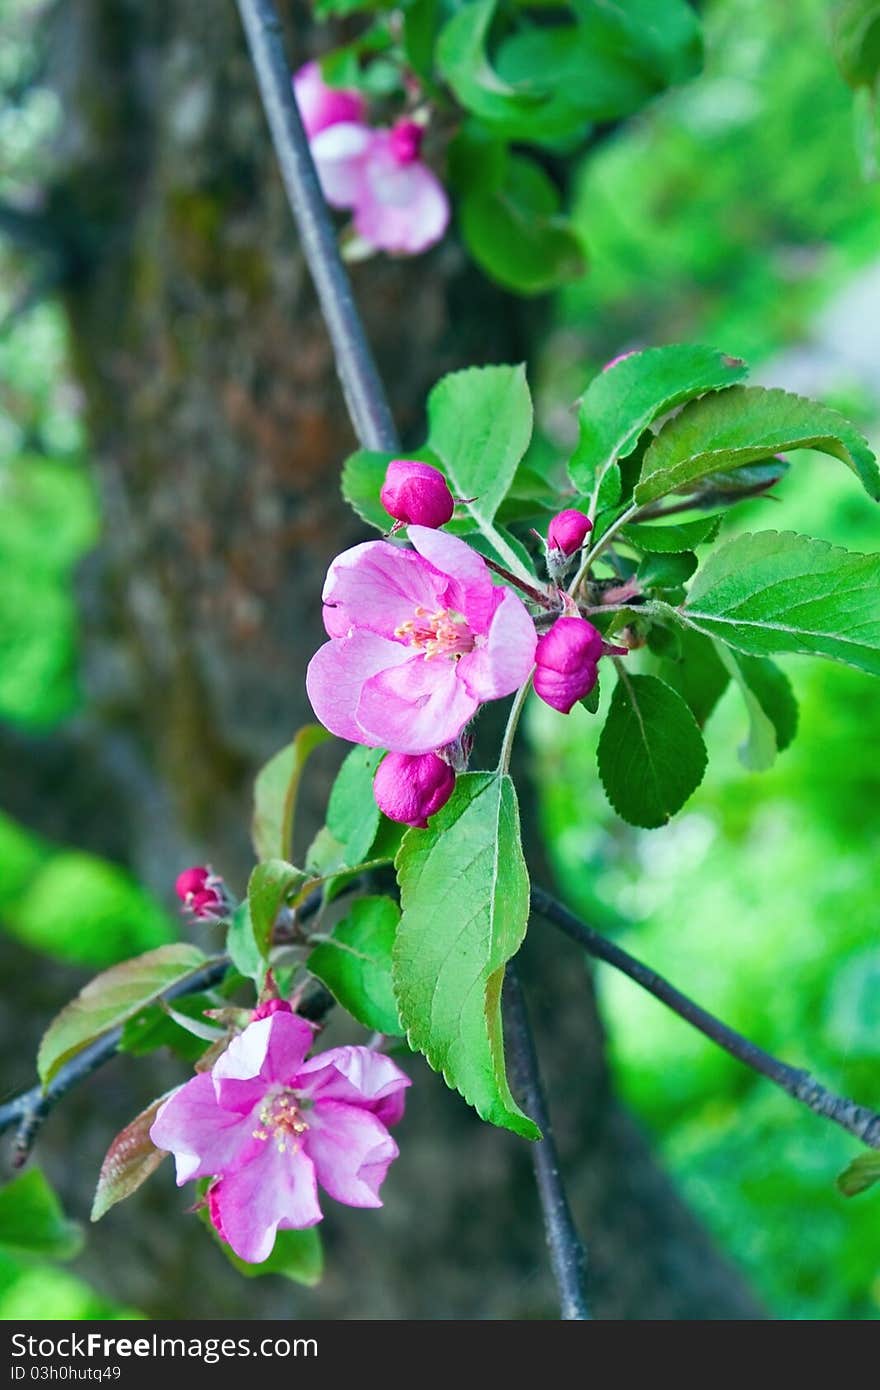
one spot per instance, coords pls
(202, 893)
(566, 661)
(406, 141)
(411, 787)
(270, 1007)
(321, 106)
(416, 492)
(568, 530)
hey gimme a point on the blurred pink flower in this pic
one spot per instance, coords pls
(269, 1126)
(321, 106)
(419, 640)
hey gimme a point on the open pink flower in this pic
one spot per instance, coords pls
(399, 205)
(269, 1126)
(419, 640)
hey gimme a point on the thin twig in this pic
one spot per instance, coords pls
(364, 393)
(796, 1082)
(536, 595)
(566, 1251)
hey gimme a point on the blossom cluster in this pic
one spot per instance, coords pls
(422, 637)
(397, 203)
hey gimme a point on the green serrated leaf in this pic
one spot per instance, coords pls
(275, 793)
(861, 1174)
(32, 1222)
(671, 539)
(855, 40)
(355, 964)
(465, 898)
(651, 752)
(742, 425)
(480, 426)
(129, 1161)
(463, 59)
(153, 1028)
(620, 403)
(776, 591)
(271, 884)
(110, 999)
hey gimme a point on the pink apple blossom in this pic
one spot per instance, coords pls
(410, 788)
(321, 106)
(399, 204)
(415, 492)
(268, 1126)
(566, 662)
(419, 640)
(568, 530)
(202, 893)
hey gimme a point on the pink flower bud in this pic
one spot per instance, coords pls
(566, 658)
(270, 1007)
(321, 106)
(568, 530)
(417, 494)
(406, 141)
(202, 893)
(411, 787)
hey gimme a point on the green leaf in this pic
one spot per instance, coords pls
(464, 891)
(241, 943)
(363, 474)
(669, 540)
(855, 40)
(517, 233)
(421, 20)
(624, 399)
(352, 814)
(153, 1028)
(110, 999)
(651, 752)
(464, 62)
(741, 426)
(129, 1161)
(770, 703)
(296, 1255)
(696, 671)
(861, 1174)
(275, 793)
(480, 426)
(32, 1222)
(775, 591)
(355, 964)
(666, 571)
(270, 886)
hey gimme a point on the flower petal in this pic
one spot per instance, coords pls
(274, 1190)
(336, 676)
(376, 586)
(470, 587)
(269, 1051)
(504, 663)
(339, 152)
(416, 707)
(358, 1076)
(400, 208)
(204, 1139)
(351, 1150)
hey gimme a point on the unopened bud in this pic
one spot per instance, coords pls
(411, 787)
(416, 493)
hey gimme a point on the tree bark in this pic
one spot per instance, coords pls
(217, 428)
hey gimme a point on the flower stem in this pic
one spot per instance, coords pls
(516, 710)
(536, 595)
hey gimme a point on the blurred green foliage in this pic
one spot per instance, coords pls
(732, 215)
